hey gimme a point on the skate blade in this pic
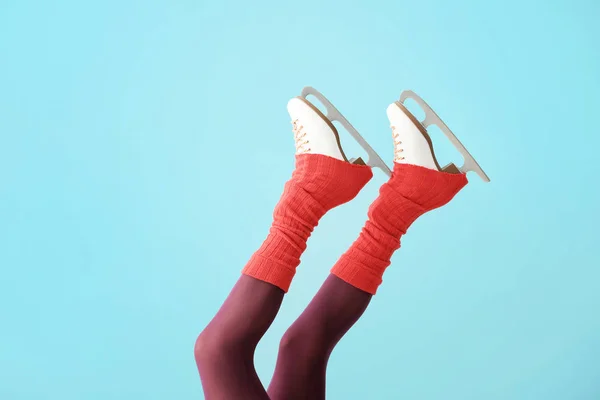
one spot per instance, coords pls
(333, 114)
(431, 118)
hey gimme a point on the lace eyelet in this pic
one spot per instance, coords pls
(300, 137)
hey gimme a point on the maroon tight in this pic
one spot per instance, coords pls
(225, 349)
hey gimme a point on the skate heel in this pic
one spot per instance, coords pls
(431, 118)
(357, 161)
(451, 169)
(333, 114)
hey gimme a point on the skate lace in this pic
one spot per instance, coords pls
(397, 143)
(300, 138)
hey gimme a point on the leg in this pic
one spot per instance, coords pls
(306, 346)
(322, 180)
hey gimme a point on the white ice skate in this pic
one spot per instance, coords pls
(412, 143)
(315, 133)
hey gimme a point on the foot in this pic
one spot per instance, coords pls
(412, 144)
(313, 132)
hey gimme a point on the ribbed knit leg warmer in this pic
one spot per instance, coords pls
(304, 351)
(411, 192)
(318, 184)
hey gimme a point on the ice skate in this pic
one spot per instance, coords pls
(315, 133)
(412, 143)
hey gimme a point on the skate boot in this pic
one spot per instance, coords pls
(304, 112)
(413, 145)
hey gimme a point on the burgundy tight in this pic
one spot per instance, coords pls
(225, 349)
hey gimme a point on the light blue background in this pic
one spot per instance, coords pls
(144, 144)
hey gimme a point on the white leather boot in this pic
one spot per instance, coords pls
(313, 132)
(412, 143)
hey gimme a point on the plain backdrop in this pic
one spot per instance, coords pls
(143, 145)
